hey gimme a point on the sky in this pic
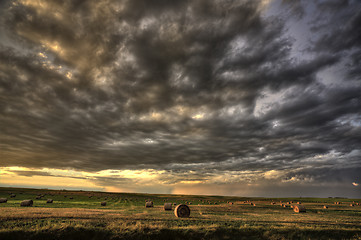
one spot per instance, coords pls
(242, 98)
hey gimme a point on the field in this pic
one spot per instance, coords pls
(79, 215)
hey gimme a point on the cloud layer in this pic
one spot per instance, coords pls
(197, 89)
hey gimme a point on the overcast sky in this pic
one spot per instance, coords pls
(247, 98)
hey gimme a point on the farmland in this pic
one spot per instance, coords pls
(79, 215)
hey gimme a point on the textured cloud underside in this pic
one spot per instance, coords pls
(180, 86)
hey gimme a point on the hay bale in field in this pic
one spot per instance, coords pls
(3, 200)
(325, 207)
(182, 210)
(273, 203)
(299, 203)
(352, 205)
(231, 203)
(37, 197)
(299, 208)
(168, 206)
(13, 195)
(49, 201)
(149, 204)
(103, 203)
(26, 203)
(253, 204)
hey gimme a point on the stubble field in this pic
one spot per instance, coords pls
(79, 215)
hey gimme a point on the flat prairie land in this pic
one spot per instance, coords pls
(79, 215)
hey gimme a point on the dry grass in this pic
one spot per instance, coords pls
(126, 217)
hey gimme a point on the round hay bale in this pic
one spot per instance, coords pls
(352, 205)
(149, 204)
(49, 201)
(325, 207)
(299, 203)
(299, 208)
(26, 203)
(182, 210)
(103, 203)
(13, 195)
(168, 206)
(3, 200)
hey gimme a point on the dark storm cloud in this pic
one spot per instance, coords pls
(42, 173)
(294, 7)
(31, 173)
(96, 85)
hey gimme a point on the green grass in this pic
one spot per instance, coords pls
(125, 217)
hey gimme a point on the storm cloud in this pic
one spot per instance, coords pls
(195, 89)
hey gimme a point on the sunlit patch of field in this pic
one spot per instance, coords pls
(212, 217)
